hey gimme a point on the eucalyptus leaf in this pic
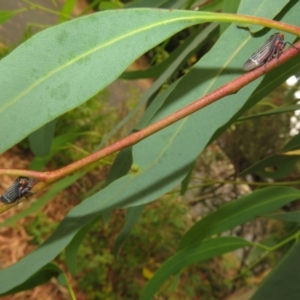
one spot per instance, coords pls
(161, 161)
(283, 281)
(239, 212)
(196, 253)
(42, 82)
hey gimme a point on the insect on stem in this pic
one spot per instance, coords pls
(21, 187)
(273, 47)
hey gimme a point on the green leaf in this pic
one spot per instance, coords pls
(261, 8)
(216, 5)
(106, 5)
(7, 15)
(185, 182)
(90, 48)
(121, 165)
(200, 252)
(40, 277)
(238, 212)
(131, 218)
(177, 58)
(67, 10)
(123, 162)
(169, 4)
(40, 141)
(275, 166)
(229, 7)
(287, 217)
(293, 144)
(165, 155)
(261, 88)
(163, 160)
(58, 143)
(271, 112)
(145, 3)
(154, 107)
(61, 279)
(72, 248)
(283, 282)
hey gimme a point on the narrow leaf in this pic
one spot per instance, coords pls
(164, 164)
(67, 10)
(283, 282)
(271, 112)
(131, 218)
(145, 3)
(121, 165)
(275, 166)
(261, 8)
(200, 252)
(293, 144)
(40, 277)
(287, 217)
(185, 182)
(179, 56)
(40, 141)
(229, 7)
(88, 47)
(216, 5)
(6, 15)
(239, 212)
(72, 249)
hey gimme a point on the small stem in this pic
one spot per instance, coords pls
(295, 236)
(54, 12)
(268, 250)
(214, 181)
(209, 182)
(249, 268)
(230, 88)
(17, 11)
(71, 292)
(245, 19)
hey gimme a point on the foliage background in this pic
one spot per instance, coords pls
(213, 182)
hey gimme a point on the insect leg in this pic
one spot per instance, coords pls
(291, 45)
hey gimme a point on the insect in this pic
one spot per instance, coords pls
(273, 47)
(21, 187)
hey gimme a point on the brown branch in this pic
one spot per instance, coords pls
(228, 89)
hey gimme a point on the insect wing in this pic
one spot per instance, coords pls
(264, 53)
(11, 194)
